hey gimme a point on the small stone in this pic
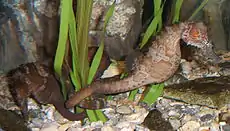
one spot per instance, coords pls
(141, 128)
(173, 113)
(204, 128)
(125, 126)
(165, 115)
(124, 109)
(64, 127)
(35, 129)
(191, 111)
(37, 123)
(225, 116)
(108, 111)
(107, 128)
(50, 127)
(175, 123)
(186, 118)
(113, 120)
(75, 129)
(222, 123)
(97, 124)
(186, 67)
(215, 127)
(137, 117)
(49, 112)
(176, 103)
(226, 127)
(59, 118)
(163, 104)
(206, 118)
(190, 126)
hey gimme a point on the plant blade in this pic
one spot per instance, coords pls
(152, 93)
(176, 17)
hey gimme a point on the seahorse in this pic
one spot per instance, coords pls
(35, 80)
(157, 65)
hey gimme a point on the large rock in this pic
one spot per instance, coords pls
(212, 92)
(26, 30)
(123, 29)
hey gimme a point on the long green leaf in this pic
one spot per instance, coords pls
(100, 115)
(198, 9)
(151, 30)
(60, 52)
(97, 58)
(109, 15)
(74, 47)
(157, 7)
(132, 94)
(92, 115)
(63, 34)
(152, 93)
(178, 5)
(95, 63)
(82, 30)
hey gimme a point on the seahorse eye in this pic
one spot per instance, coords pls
(195, 33)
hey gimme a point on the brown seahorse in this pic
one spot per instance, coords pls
(157, 65)
(35, 80)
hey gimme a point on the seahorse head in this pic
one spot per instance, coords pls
(196, 34)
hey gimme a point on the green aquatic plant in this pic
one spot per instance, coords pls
(77, 28)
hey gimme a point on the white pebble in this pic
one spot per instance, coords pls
(124, 109)
(190, 126)
(50, 127)
(107, 128)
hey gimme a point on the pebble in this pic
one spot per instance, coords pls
(123, 117)
(64, 127)
(124, 109)
(190, 126)
(215, 127)
(190, 110)
(175, 123)
(125, 126)
(173, 113)
(207, 117)
(97, 124)
(226, 127)
(36, 123)
(34, 129)
(59, 118)
(176, 103)
(50, 127)
(107, 128)
(186, 118)
(204, 128)
(137, 117)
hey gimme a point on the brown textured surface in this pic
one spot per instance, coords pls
(36, 81)
(158, 65)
